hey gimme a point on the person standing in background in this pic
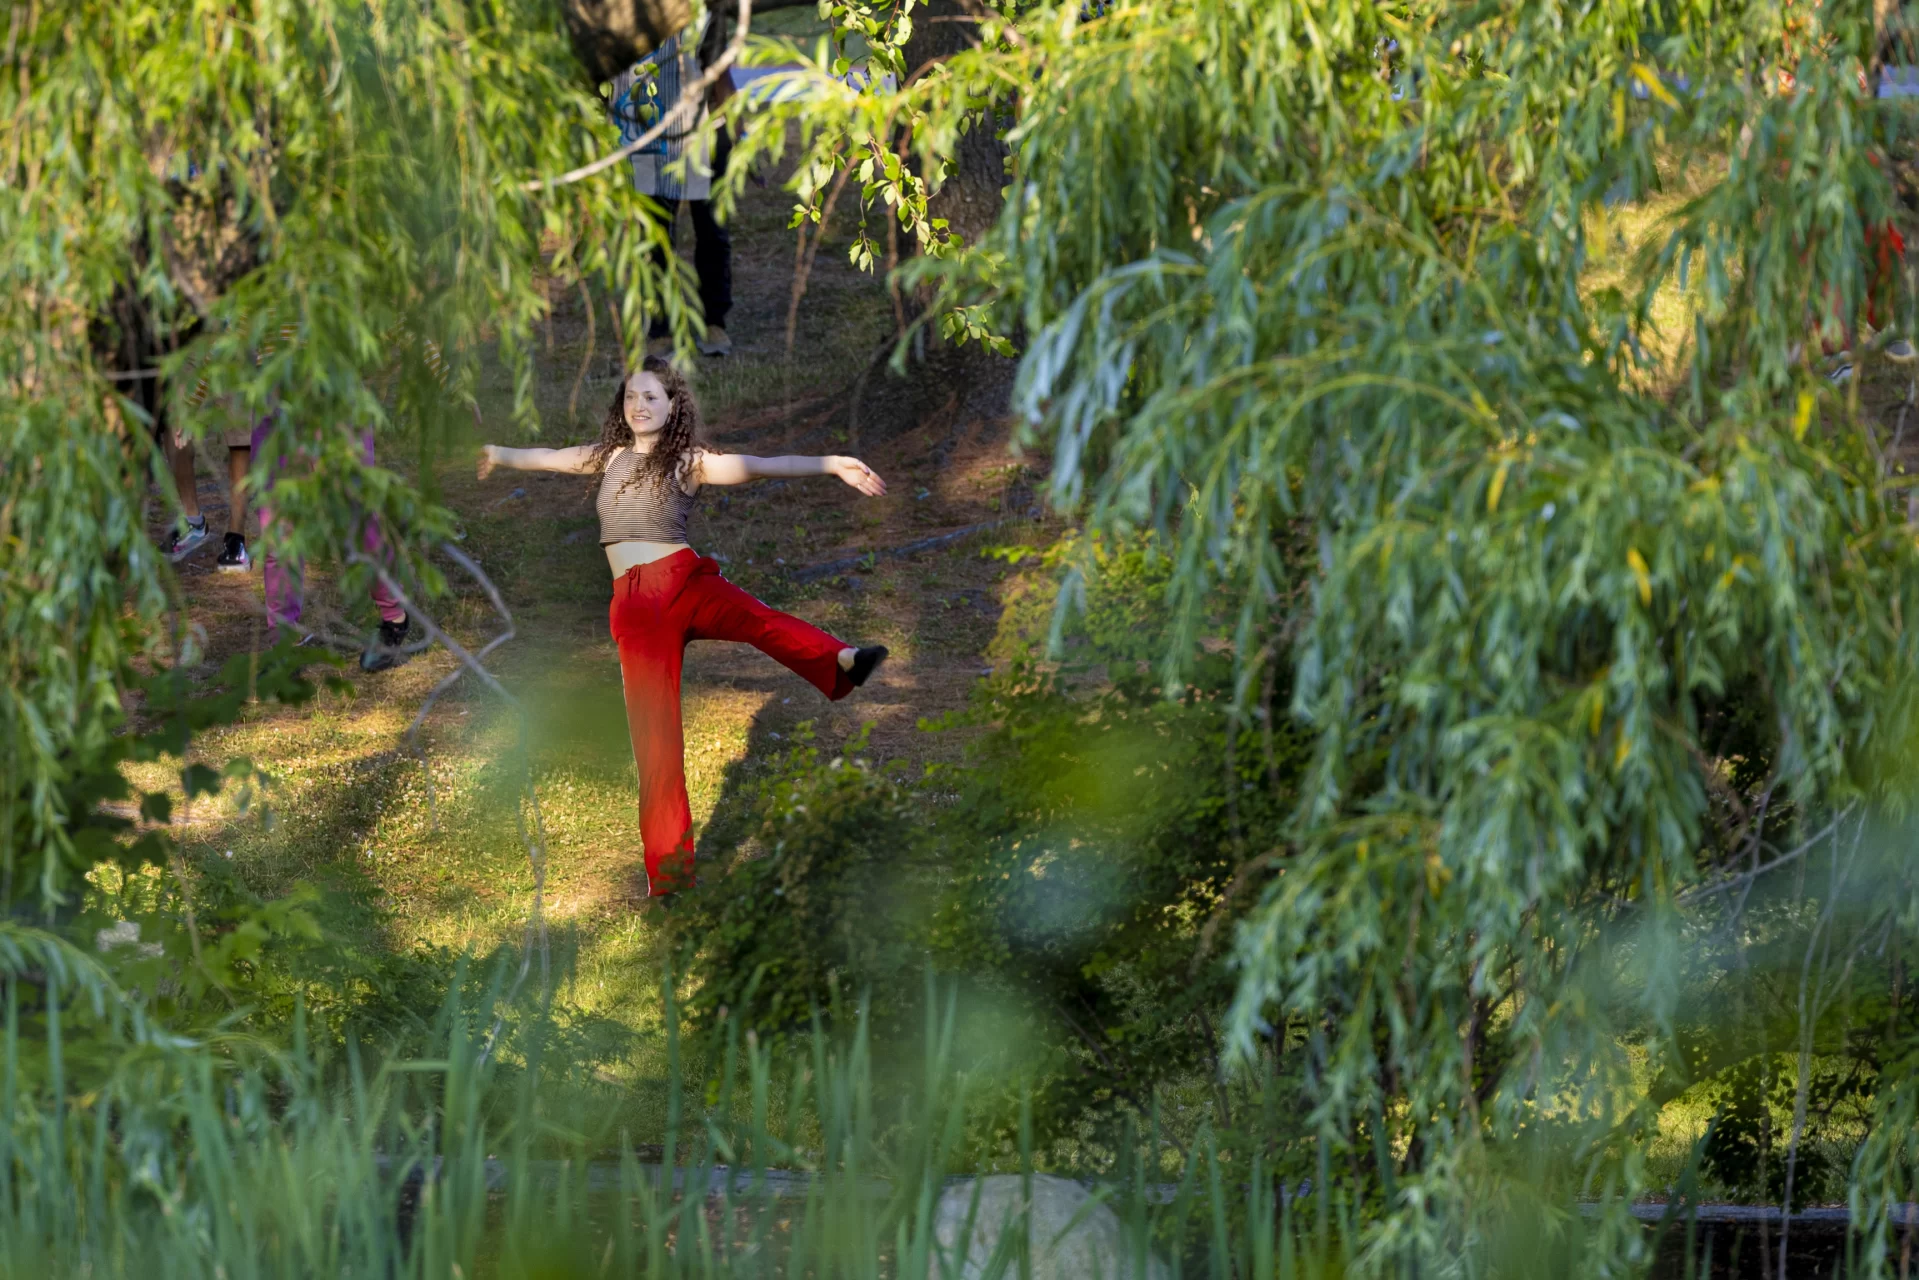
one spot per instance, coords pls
(679, 167)
(236, 432)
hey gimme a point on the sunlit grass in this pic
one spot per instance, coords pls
(1617, 236)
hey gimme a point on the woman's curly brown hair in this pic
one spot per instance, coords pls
(681, 437)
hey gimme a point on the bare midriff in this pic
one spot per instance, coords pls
(622, 556)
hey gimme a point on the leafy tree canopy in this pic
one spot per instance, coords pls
(1283, 267)
(183, 181)
(1275, 270)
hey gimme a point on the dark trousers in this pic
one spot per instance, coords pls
(712, 260)
(712, 250)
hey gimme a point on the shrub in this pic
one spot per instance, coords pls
(819, 901)
(1102, 848)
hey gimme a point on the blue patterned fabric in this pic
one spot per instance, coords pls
(678, 164)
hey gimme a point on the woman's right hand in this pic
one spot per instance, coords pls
(488, 460)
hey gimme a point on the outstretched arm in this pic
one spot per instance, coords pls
(576, 460)
(739, 468)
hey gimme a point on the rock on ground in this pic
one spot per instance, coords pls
(1070, 1239)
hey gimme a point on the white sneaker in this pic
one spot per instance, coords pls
(1840, 374)
(715, 343)
(233, 556)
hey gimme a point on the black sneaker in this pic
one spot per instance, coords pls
(865, 662)
(233, 556)
(184, 539)
(386, 651)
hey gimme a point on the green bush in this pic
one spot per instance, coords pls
(818, 902)
(1099, 855)
(1082, 871)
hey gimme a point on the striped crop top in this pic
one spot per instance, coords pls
(645, 511)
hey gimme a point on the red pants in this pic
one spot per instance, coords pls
(1888, 249)
(656, 609)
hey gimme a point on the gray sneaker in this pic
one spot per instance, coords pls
(715, 343)
(1899, 351)
(184, 539)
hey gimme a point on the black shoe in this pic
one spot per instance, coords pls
(233, 556)
(386, 652)
(865, 662)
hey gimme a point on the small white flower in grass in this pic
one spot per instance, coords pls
(229, 853)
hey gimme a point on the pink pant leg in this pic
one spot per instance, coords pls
(284, 583)
(384, 600)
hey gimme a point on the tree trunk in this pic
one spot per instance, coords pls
(953, 386)
(611, 35)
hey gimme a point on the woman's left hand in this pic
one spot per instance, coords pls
(860, 476)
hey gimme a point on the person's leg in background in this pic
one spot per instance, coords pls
(387, 651)
(285, 586)
(234, 557)
(281, 581)
(1888, 250)
(659, 336)
(191, 529)
(713, 260)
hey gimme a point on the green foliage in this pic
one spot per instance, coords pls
(181, 181)
(1305, 267)
(189, 1160)
(1083, 871)
(1087, 601)
(45, 872)
(819, 907)
(1745, 1150)
(1099, 854)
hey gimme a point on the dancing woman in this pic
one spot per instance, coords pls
(651, 467)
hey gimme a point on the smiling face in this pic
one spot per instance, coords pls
(647, 406)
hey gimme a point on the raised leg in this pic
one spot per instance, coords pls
(718, 610)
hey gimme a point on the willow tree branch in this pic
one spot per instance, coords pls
(682, 114)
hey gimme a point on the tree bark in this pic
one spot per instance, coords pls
(610, 35)
(944, 383)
